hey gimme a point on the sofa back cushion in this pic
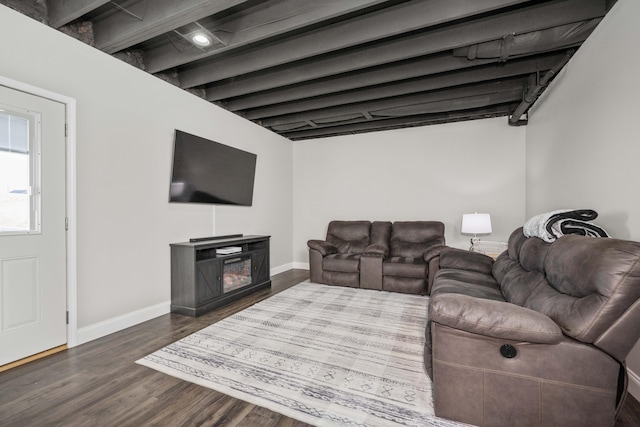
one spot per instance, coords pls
(592, 282)
(350, 237)
(584, 284)
(412, 238)
(509, 259)
(516, 240)
(533, 254)
(519, 277)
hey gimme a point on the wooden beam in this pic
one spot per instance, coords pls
(120, 30)
(265, 20)
(388, 104)
(61, 12)
(428, 83)
(490, 28)
(402, 18)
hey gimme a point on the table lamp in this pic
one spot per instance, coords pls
(476, 223)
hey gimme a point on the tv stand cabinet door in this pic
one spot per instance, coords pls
(208, 281)
(260, 267)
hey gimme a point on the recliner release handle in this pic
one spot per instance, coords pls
(508, 351)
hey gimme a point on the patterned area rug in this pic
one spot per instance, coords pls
(324, 355)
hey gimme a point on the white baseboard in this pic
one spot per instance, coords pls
(281, 268)
(301, 265)
(634, 384)
(109, 326)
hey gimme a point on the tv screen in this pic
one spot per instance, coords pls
(205, 171)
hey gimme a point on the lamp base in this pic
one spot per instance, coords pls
(474, 242)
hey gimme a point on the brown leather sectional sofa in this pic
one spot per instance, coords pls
(536, 338)
(375, 255)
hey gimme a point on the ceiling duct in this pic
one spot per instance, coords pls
(534, 90)
(537, 41)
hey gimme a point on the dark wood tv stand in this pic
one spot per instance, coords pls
(203, 278)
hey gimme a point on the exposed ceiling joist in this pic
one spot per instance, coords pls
(402, 122)
(494, 27)
(63, 12)
(272, 19)
(313, 68)
(400, 101)
(403, 18)
(423, 66)
(427, 83)
(120, 30)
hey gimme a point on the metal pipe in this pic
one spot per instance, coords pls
(533, 92)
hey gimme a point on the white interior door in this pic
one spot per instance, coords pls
(33, 299)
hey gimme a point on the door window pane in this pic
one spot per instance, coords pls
(14, 133)
(18, 173)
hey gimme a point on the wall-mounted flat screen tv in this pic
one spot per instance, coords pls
(205, 171)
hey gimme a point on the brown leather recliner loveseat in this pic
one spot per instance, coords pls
(536, 338)
(375, 255)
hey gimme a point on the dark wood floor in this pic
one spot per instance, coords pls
(99, 383)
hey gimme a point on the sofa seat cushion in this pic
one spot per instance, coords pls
(464, 282)
(345, 263)
(498, 319)
(405, 267)
(405, 285)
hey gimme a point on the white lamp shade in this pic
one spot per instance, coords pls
(476, 223)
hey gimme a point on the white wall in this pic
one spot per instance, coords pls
(125, 125)
(583, 138)
(582, 134)
(272, 211)
(423, 173)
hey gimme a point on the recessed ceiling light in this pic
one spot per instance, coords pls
(201, 40)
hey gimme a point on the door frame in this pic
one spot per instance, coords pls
(70, 172)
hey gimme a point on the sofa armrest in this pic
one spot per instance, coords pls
(325, 248)
(432, 258)
(377, 250)
(465, 260)
(492, 318)
(434, 251)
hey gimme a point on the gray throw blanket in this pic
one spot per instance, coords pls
(551, 225)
